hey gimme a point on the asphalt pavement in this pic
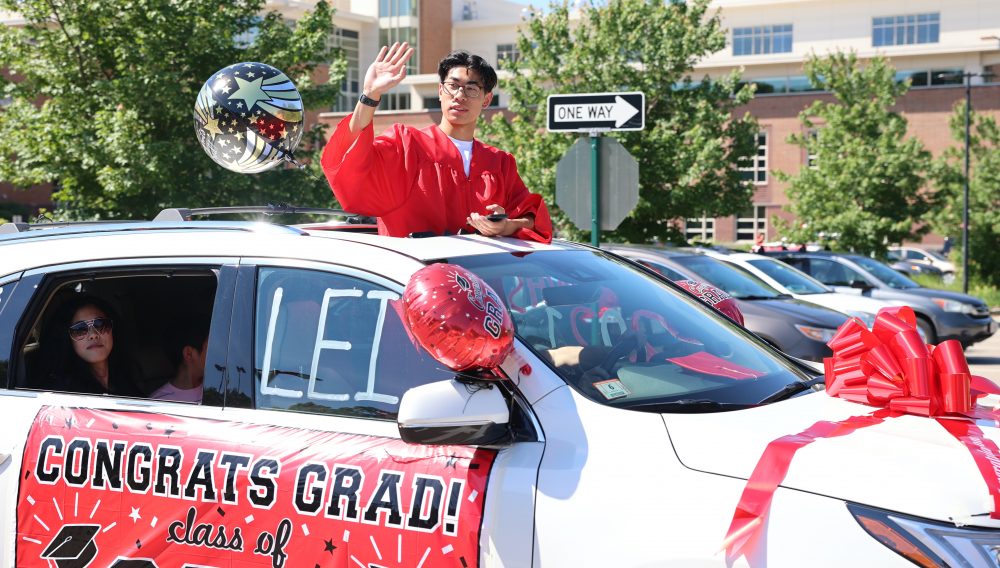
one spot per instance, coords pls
(984, 358)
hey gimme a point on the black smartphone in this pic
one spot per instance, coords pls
(496, 217)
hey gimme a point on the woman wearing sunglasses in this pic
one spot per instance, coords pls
(86, 361)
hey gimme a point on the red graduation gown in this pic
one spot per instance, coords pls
(413, 180)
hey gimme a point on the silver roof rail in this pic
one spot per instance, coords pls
(180, 214)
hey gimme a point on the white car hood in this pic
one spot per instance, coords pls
(907, 464)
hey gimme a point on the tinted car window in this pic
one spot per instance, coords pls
(624, 338)
(738, 284)
(663, 269)
(885, 274)
(834, 273)
(333, 344)
(789, 277)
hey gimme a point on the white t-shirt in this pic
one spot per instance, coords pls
(465, 149)
(170, 392)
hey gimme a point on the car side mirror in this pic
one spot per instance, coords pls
(861, 285)
(457, 411)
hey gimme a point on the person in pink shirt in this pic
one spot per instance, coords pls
(188, 348)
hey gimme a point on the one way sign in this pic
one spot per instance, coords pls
(597, 111)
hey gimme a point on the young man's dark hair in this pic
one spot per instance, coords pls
(471, 62)
(186, 331)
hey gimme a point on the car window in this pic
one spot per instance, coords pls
(663, 269)
(833, 273)
(625, 338)
(333, 344)
(894, 254)
(736, 283)
(789, 277)
(915, 255)
(885, 274)
(142, 311)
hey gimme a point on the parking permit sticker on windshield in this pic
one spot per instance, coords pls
(611, 389)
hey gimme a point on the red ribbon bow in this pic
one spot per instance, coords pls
(890, 366)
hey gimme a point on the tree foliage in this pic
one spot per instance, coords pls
(689, 150)
(984, 192)
(866, 189)
(103, 92)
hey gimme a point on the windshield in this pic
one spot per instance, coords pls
(884, 273)
(736, 283)
(795, 280)
(625, 338)
(936, 254)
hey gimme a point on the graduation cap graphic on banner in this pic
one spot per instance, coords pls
(73, 547)
(134, 563)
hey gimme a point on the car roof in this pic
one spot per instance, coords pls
(61, 243)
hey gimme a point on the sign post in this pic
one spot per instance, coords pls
(595, 113)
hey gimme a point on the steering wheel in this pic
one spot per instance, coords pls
(627, 343)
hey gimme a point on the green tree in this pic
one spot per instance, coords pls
(984, 192)
(103, 93)
(866, 188)
(689, 150)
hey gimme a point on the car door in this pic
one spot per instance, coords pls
(319, 359)
(64, 470)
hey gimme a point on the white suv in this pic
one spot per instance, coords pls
(923, 256)
(621, 431)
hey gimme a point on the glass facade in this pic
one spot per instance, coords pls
(761, 40)
(700, 229)
(906, 30)
(754, 169)
(391, 35)
(507, 52)
(751, 222)
(390, 8)
(350, 87)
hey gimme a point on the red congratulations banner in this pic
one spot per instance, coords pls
(117, 489)
(891, 368)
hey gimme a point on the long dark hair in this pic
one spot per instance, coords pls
(66, 367)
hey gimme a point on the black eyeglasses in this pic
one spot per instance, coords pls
(471, 90)
(81, 329)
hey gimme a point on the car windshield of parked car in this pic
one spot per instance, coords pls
(795, 280)
(885, 274)
(626, 338)
(936, 255)
(740, 285)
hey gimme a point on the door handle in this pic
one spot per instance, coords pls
(4, 457)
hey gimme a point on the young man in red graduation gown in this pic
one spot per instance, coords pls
(437, 179)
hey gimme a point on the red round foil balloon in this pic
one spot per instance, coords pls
(458, 318)
(714, 297)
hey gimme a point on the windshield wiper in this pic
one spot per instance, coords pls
(756, 297)
(688, 405)
(792, 389)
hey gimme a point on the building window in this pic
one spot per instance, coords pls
(906, 30)
(396, 8)
(751, 222)
(932, 78)
(700, 229)
(812, 153)
(507, 53)
(391, 35)
(760, 40)
(395, 101)
(350, 87)
(754, 169)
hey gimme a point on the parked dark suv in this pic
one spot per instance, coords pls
(941, 314)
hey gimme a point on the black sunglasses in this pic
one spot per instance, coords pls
(79, 330)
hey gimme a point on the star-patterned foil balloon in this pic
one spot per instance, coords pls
(248, 117)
